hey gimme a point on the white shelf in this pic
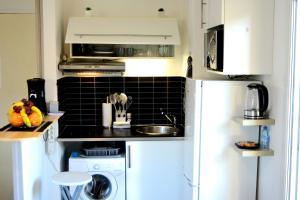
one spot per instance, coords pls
(255, 122)
(254, 152)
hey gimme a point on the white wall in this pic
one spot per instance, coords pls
(18, 58)
(272, 174)
(17, 6)
(51, 45)
(18, 63)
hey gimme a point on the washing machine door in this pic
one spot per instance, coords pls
(102, 187)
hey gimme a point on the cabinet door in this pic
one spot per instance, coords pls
(154, 170)
(248, 37)
(214, 13)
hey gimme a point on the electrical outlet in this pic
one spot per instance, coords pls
(50, 142)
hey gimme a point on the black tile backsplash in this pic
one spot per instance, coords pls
(81, 98)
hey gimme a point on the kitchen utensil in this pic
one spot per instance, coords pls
(115, 97)
(256, 103)
(129, 102)
(152, 51)
(123, 99)
(129, 51)
(113, 100)
(139, 52)
(121, 104)
(108, 53)
(163, 50)
(118, 98)
(120, 51)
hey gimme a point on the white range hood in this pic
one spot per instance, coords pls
(148, 31)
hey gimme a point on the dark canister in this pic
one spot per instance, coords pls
(36, 93)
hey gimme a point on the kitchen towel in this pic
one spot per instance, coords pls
(106, 115)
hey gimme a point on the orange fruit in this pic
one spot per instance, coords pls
(35, 119)
(15, 119)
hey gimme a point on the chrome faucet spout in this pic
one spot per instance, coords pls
(168, 116)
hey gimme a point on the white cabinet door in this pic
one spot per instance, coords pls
(248, 37)
(248, 34)
(213, 12)
(154, 170)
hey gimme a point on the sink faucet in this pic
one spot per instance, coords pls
(168, 116)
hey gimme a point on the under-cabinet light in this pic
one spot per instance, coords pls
(146, 67)
(93, 74)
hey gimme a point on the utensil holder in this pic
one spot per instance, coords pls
(121, 121)
(121, 116)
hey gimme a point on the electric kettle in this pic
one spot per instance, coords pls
(257, 100)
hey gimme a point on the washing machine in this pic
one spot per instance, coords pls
(108, 173)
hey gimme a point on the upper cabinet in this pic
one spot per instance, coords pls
(213, 13)
(247, 38)
(96, 37)
(95, 30)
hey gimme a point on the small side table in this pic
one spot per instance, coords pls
(65, 179)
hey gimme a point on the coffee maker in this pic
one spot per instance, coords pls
(36, 93)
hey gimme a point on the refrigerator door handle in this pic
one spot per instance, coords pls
(129, 156)
(190, 182)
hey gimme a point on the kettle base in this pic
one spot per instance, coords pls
(254, 114)
(255, 117)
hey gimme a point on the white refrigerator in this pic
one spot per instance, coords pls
(213, 169)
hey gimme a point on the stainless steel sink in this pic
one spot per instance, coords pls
(158, 130)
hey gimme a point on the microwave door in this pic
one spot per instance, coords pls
(214, 48)
(212, 51)
(207, 54)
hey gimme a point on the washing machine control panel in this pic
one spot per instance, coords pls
(104, 164)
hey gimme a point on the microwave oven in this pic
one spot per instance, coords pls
(214, 48)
